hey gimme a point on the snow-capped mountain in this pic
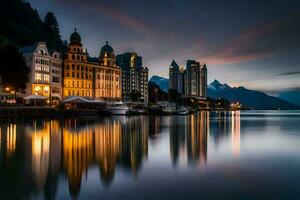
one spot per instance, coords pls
(250, 98)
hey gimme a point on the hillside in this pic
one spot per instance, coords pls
(291, 96)
(21, 25)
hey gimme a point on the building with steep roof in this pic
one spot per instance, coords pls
(176, 77)
(191, 81)
(45, 77)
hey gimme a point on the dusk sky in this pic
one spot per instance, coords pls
(252, 43)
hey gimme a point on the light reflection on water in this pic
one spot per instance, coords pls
(116, 157)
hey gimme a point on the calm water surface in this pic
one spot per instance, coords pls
(220, 155)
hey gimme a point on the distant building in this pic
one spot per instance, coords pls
(134, 75)
(191, 81)
(176, 77)
(90, 77)
(195, 79)
(45, 71)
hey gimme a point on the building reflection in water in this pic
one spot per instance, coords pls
(189, 135)
(236, 132)
(45, 150)
(108, 143)
(40, 145)
(188, 138)
(11, 139)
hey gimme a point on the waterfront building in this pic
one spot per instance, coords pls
(77, 70)
(90, 77)
(45, 65)
(176, 77)
(134, 75)
(107, 75)
(195, 79)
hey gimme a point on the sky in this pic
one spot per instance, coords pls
(250, 43)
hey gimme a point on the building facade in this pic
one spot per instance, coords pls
(78, 79)
(90, 77)
(45, 77)
(107, 75)
(195, 79)
(134, 75)
(176, 77)
(191, 81)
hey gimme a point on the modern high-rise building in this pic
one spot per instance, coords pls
(90, 77)
(134, 75)
(176, 77)
(191, 81)
(45, 65)
(195, 79)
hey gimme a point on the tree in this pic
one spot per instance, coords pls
(50, 20)
(13, 70)
(51, 32)
(135, 95)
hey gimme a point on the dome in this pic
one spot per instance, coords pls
(75, 38)
(107, 51)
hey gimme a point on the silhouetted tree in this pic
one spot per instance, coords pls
(21, 25)
(13, 70)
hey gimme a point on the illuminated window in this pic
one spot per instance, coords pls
(46, 78)
(38, 77)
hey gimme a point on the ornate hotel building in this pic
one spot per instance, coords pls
(45, 65)
(90, 77)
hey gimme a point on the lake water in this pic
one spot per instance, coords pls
(217, 155)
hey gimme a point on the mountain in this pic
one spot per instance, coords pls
(291, 97)
(249, 98)
(162, 82)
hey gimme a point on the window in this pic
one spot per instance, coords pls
(38, 68)
(55, 79)
(38, 77)
(46, 78)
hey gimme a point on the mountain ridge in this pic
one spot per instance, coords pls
(251, 99)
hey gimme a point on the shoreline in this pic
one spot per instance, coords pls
(13, 112)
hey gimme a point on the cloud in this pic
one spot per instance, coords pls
(281, 36)
(245, 46)
(289, 73)
(115, 14)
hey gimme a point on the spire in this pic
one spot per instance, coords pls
(106, 42)
(75, 29)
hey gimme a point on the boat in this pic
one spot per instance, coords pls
(168, 110)
(117, 108)
(183, 111)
